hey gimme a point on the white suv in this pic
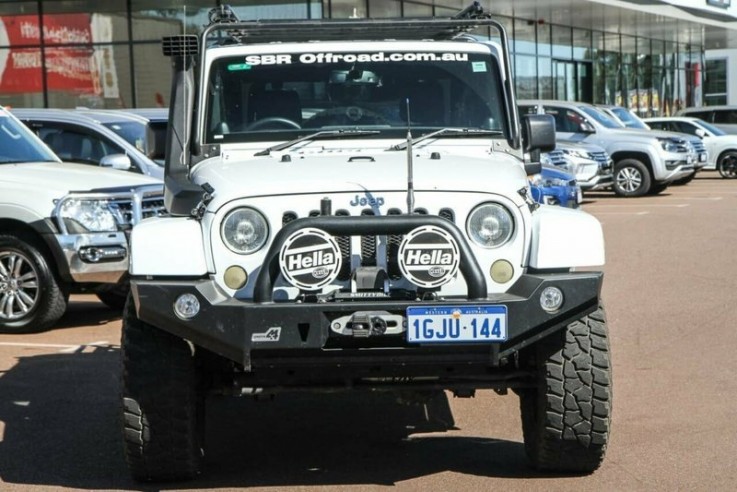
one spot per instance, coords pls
(721, 146)
(63, 229)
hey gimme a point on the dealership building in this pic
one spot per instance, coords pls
(654, 56)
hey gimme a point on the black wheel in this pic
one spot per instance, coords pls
(114, 295)
(31, 296)
(566, 419)
(631, 178)
(727, 164)
(163, 404)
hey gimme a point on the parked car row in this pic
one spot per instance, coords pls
(63, 227)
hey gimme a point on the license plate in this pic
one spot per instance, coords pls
(451, 324)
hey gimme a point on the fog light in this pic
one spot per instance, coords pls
(501, 271)
(551, 299)
(235, 277)
(187, 306)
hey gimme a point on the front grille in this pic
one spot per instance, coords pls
(557, 157)
(602, 158)
(131, 208)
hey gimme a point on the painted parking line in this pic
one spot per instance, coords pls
(64, 348)
(623, 213)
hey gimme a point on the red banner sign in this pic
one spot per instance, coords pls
(67, 69)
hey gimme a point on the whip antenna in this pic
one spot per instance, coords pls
(410, 182)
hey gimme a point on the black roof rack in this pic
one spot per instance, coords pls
(266, 31)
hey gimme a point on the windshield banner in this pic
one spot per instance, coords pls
(309, 58)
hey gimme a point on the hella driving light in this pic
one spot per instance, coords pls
(490, 225)
(187, 306)
(244, 231)
(87, 215)
(551, 299)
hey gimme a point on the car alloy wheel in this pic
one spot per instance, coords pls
(19, 289)
(629, 179)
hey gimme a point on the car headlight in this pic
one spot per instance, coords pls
(490, 225)
(577, 153)
(244, 231)
(668, 145)
(82, 215)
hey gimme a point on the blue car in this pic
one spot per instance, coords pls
(553, 186)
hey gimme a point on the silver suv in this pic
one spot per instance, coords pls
(643, 162)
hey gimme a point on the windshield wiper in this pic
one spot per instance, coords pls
(317, 136)
(448, 132)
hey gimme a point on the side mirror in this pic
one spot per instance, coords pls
(701, 133)
(538, 135)
(116, 161)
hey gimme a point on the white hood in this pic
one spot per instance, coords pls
(346, 170)
(35, 186)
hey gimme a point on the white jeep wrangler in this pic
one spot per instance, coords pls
(63, 229)
(350, 209)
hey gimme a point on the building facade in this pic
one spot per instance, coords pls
(653, 56)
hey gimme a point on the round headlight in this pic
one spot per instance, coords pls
(244, 231)
(490, 225)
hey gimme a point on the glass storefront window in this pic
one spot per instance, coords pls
(545, 77)
(525, 76)
(715, 82)
(152, 76)
(95, 77)
(582, 40)
(83, 22)
(524, 37)
(562, 47)
(153, 19)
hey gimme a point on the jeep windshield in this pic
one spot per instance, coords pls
(287, 95)
(18, 144)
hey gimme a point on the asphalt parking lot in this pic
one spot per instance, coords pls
(669, 291)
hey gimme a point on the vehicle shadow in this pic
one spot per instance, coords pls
(86, 310)
(61, 428)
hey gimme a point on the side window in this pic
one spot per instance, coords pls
(658, 125)
(566, 120)
(76, 146)
(728, 116)
(683, 127)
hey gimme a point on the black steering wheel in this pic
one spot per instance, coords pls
(347, 115)
(271, 120)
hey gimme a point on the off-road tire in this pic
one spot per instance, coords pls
(631, 178)
(163, 408)
(49, 294)
(727, 164)
(566, 419)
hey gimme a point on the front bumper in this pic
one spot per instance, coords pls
(227, 326)
(94, 257)
(598, 182)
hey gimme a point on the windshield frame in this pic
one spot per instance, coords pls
(488, 50)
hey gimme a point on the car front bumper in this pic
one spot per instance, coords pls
(94, 257)
(235, 328)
